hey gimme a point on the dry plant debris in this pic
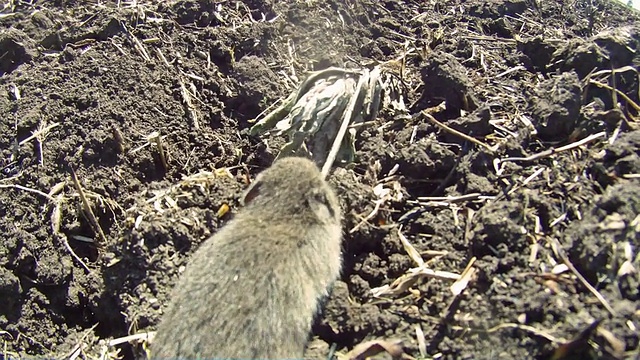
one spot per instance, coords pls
(369, 349)
(413, 275)
(326, 105)
(166, 199)
(88, 211)
(57, 199)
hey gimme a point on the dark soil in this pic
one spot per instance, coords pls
(106, 77)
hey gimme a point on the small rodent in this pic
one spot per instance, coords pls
(252, 290)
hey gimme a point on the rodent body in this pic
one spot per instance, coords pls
(252, 290)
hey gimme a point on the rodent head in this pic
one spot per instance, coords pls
(290, 187)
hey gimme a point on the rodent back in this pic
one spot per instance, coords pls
(253, 288)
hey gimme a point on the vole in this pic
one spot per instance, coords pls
(252, 290)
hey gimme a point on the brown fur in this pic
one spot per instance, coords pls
(252, 290)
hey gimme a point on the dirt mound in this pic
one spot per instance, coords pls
(136, 116)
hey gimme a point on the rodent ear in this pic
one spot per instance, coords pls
(321, 207)
(251, 192)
